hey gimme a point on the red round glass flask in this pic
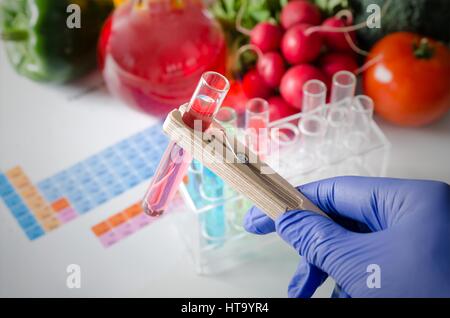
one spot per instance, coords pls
(153, 52)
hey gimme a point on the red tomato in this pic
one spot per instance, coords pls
(410, 85)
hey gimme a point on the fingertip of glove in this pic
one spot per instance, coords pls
(257, 222)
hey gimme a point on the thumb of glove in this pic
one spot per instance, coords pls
(322, 242)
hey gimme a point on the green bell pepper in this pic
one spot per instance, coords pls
(39, 43)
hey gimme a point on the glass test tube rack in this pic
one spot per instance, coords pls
(312, 146)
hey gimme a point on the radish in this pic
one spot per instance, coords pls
(299, 11)
(291, 87)
(266, 36)
(300, 48)
(271, 68)
(336, 41)
(279, 108)
(332, 63)
(254, 85)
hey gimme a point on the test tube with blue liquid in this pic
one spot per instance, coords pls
(213, 187)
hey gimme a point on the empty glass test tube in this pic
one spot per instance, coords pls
(314, 95)
(256, 125)
(205, 102)
(312, 132)
(361, 113)
(343, 88)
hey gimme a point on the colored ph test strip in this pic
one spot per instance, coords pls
(127, 222)
(121, 225)
(84, 186)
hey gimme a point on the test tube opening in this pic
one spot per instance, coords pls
(312, 126)
(284, 135)
(257, 107)
(363, 104)
(337, 117)
(314, 95)
(206, 100)
(343, 86)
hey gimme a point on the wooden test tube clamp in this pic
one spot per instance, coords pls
(252, 178)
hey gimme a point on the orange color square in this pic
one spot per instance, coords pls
(21, 182)
(29, 192)
(15, 173)
(43, 213)
(36, 203)
(50, 223)
(117, 219)
(60, 204)
(101, 228)
(133, 210)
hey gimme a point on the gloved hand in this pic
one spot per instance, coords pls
(387, 233)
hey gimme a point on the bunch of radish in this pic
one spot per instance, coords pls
(302, 48)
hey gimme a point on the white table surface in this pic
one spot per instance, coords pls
(43, 129)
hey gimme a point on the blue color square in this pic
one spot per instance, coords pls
(114, 161)
(85, 178)
(151, 131)
(51, 195)
(116, 188)
(19, 210)
(137, 163)
(45, 185)
(100, 197)
(139, 139)
(77, 170)
(34, 232)
(106, 178)
(122, 170)
(108, 153)
(130, 154)
(160, 139)
(123, 146)
(93, 162)
(99, 169)
(62, 177)
(69, 186)
(92, 187)
(144, 146)
(27, 221)
(3, 179)
(6, 189)
(12, 199)
(131, 180)
(146, 172)
(82, 206)
(75, 195)
(80, 172)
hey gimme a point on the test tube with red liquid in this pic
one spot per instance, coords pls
(200, 111)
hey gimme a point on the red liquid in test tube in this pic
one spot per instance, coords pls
(175, 162)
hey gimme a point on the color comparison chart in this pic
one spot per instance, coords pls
(49, 204)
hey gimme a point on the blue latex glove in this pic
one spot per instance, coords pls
(401, 226)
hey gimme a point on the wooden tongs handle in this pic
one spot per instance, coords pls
(239, 167)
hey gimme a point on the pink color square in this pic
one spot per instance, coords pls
(141, 220)
(124, 230)
(108, 239)
(66, 215)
